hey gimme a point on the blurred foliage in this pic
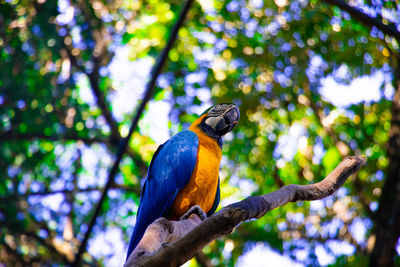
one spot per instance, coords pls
(59, 126)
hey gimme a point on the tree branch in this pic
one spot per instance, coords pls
(229, 217)
(68, 191)
(124, 144)
(340, 145)
(366, 19)
(10, 135)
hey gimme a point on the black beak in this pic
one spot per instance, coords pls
(231, 118)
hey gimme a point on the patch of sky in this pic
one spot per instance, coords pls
(164, 80)
(324, 258)
(13, 171)
(129, 79)
(391, 15)
(95, 162)
(288, 144)
(205, 37)
(340, 247)
(113, 193)
(256, 3)
(204, 95)
(26, 47)
(260, 254)
(341, 192)
(358, 229)
(373, 205)
(156, 129)
(215, 26)
(316, 205)
(109, 245)
(251, 27)
(101, 122)
(331, 228)
(36, 186)
(366, 9)
(311, 230)
(233, 6)
(280, 78)
(297, 218)
(244, 14)
(378, 176)
(87, 199)
(198, 77)
(362, 89)
(269, 12)
(316, 68)
(230, 200)
(282, 226)
(286, 47)
(58, 184)
(227, 251)
(388, 91)
(65, 156)
(295, 7)
(220, 45)
(237, 63)
(23, 185)
(247, 187)
(76, 36)
(301, 254)
(89, 66)
(202, 56)
(53, 201)
(231, 31)
(272, 28)
(66, 11)
(318, 151)
(207, 6)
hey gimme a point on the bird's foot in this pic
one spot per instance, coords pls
(194, 210)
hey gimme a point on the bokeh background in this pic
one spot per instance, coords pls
(313, 84)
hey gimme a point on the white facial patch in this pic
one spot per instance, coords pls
(212, 121)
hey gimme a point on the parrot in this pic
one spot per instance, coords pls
(184, 171)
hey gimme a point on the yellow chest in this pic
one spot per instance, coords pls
(202, 187)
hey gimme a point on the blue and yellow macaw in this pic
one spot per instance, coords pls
(184, 171)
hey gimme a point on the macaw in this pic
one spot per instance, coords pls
(184, 171)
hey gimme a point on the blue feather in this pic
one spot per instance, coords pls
(169, 171)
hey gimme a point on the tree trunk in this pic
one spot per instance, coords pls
(387, 226)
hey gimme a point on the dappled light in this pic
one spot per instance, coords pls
(313, 80)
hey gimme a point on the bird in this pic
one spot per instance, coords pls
(184, 171)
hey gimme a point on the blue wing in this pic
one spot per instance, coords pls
(169, 171)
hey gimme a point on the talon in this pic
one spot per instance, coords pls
(194, 210)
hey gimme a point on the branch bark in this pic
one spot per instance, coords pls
(387, 225)
(223, 222)
(124, 144)
(366, 19)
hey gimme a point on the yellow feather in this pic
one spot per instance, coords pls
(202, 187)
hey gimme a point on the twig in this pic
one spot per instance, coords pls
(124, 144)
(366, 19)
(229, 217)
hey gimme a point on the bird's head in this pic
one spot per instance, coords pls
(219, 120)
